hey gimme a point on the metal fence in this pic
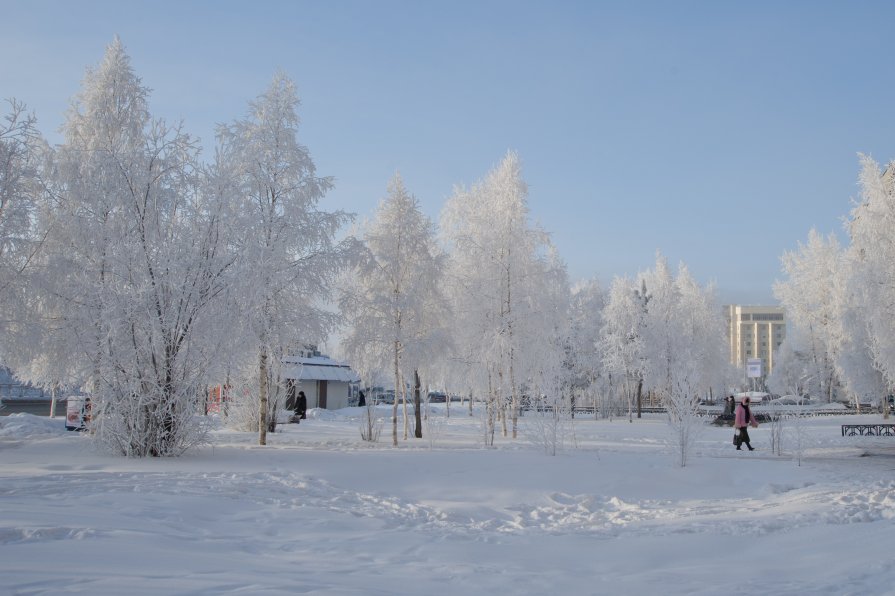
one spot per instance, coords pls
(38, 407)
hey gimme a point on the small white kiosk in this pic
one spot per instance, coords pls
(327, 383)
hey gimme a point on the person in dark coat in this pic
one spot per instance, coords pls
(361, 399)
(743, 419)
(301, 406)
(729, 405)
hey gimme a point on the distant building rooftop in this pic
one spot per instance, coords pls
(318, 368)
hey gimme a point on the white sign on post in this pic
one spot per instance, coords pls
(753, 368)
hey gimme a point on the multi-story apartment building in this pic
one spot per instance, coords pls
(755, 332)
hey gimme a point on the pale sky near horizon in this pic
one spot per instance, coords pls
(716, 132)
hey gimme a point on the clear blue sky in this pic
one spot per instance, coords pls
(717, 132)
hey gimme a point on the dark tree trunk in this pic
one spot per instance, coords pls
(418, 431)
(639, 397)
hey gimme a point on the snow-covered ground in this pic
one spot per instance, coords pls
(318, 511)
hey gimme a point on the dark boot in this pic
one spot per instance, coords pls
(751, 448)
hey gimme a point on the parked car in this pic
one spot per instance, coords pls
(437, 397)
(756, 397)
(386, 397)
(790, 400)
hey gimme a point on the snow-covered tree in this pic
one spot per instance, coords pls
(393, 307)
(499, 266)
(704, 332)
(549, 357)
(583, 355)
(871, 266)
(671, 340)
(546, 353)
(549, 423)
(813, 297)
(288, 258)
(20, 150)
(683, 349)
(793, 365)
(857, 366)
(622, 348)
(244, 408)
(133, 267)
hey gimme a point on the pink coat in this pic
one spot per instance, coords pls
(740, 417)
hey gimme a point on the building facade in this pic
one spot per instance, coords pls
(327, 384)
(755, 332)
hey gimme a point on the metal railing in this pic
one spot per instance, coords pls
(868, 430)
(20, 391)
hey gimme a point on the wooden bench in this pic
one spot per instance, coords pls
(868, 430)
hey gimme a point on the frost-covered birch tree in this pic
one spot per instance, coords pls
(700, 357)
(622, 348)
(134, 265)
(20, 190)
(793, 365)
(466, 368)
(813, 295)
(871, 265)
(288, 258)
(496, 277)
(684, 347)
(393, 307)
(547, 357)
(583, 355)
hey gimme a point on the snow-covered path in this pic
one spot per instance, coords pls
(319, 512)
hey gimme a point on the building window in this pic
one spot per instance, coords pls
(767, 317)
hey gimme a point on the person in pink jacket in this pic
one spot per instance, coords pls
(742, 419)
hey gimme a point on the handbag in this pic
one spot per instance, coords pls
(736, 438)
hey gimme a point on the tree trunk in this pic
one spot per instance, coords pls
(639, 397)
(515, 393)
(592, 382)
(395, 401)
(404, 404)
(418, 431)
(502, 411)
(830, 389)
(263, 388)
(498, 400)
(489, 438)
